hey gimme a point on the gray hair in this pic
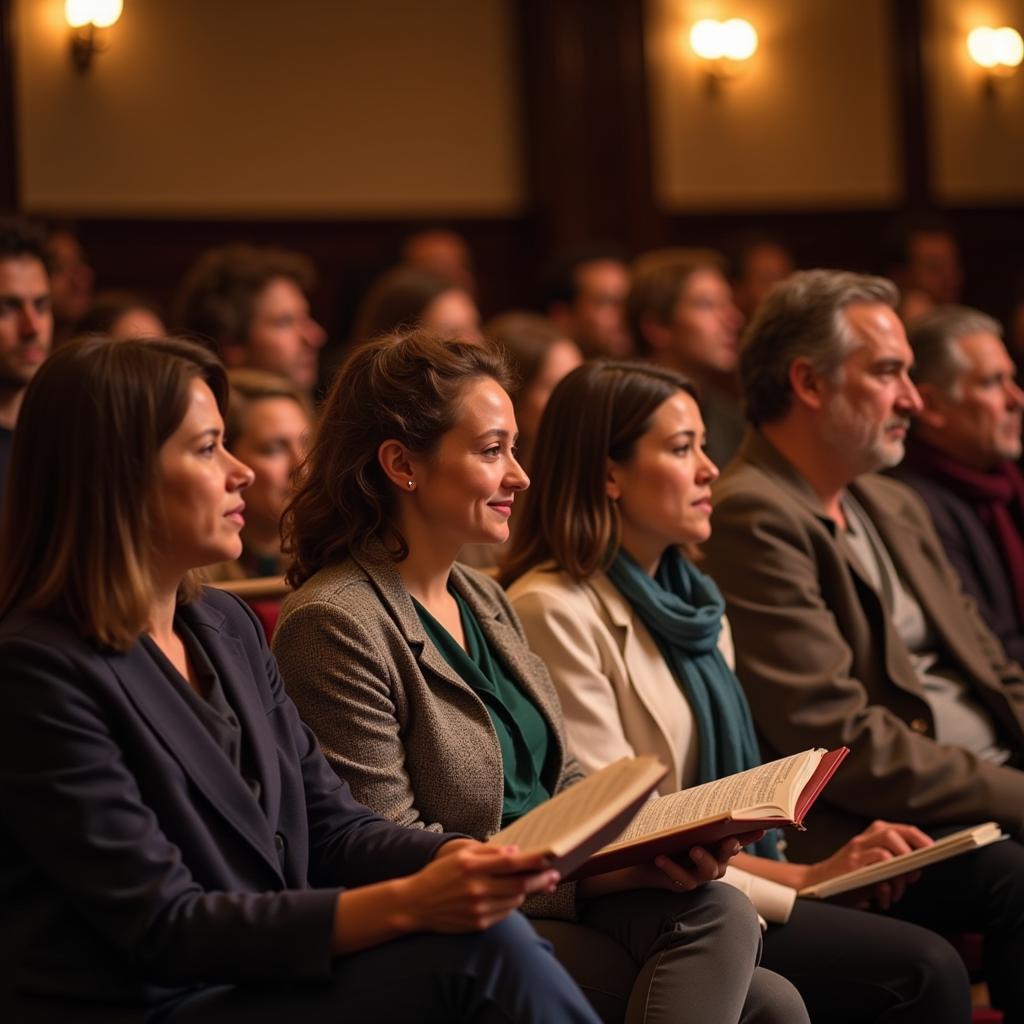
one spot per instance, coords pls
(933, 337)
(802, 317)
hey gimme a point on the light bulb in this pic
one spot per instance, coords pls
(78, 12)
(739, 39)
(106, 12)
(706, 38)
(995, 47)
(1009, 47)
(101, 13)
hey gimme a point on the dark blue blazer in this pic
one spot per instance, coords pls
(134, 859)
(970, 547)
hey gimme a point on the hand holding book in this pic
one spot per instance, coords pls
(573, 828)
(880, 842)
(900, 865)
(681, 873)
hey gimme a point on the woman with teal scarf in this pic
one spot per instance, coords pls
(635, 639)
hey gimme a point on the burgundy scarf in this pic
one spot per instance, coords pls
(998, 498)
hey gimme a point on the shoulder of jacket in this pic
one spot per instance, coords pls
(896, 496)
(341, 586)
(37, 629)
(547, 580)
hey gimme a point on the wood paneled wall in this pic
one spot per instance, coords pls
(555, 119)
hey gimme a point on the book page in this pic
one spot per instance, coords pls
(564, 821)
(769, 790)
(942, 849)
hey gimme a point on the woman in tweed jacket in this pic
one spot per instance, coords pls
(414, 457)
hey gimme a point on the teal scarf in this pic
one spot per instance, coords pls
(682, 609)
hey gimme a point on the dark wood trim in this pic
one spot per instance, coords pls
(552, 62)
(9, 189)
(909, 25)
(627, 143)
(152, 254)
(586, 124)
(991, 239)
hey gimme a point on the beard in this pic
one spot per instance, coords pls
(862, 441)
(1008, 443)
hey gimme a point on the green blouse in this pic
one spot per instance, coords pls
(523, 734)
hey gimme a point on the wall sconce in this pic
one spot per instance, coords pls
(998, 50)
(89, 20)
(723, 46)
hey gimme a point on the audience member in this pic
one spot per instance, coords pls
(539, 356)
(584, 293)
(177, 847)
(253, 304)
(71, 281)
(122, 315)
(961, 460)
(635, 639)
(681, 311)
(1015, 324)
(759, 264)
(407, 297)
(26, 322)
(267, 427)
(850, 624)
(416, 673)
(442, 252)
(924, 257)
(913, 304)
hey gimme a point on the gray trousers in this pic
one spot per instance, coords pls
(688, 957)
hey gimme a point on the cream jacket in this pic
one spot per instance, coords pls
(619, 697)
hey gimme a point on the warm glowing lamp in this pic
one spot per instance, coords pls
(739, 39)
(723, 46)
(88, 19)
(706, 39)
(998, 50)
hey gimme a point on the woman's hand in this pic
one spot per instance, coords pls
(881, 841)
(469, 886)
(683, 875)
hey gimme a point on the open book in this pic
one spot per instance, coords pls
(577, 822)
(574, 827)
(948, 846)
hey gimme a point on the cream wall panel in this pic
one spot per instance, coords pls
(809, 123)
(236, 107)
(977, 136)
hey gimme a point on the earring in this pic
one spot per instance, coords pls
(410, 484)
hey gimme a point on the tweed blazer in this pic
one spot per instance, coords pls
(136, 861)
(409, 735)
(822, 664)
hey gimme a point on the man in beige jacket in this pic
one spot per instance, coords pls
(849, 623)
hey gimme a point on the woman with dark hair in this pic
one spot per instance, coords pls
(122, 315)
(407, 297)
(252, 303)
(539, 356)
(175, 846)
(416, 675)
(681, 311)
(635, 638)
(267, 426)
